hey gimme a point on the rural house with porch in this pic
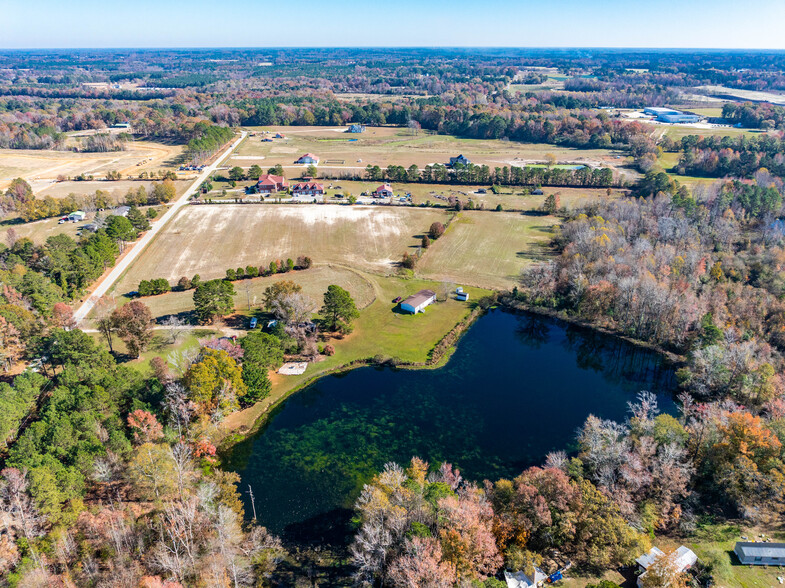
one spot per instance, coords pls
(308, 189)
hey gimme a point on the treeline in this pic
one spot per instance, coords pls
(506, 176)
(754, 115)
(18, 200)
(740, 156)
(207, 140)
(162, 285)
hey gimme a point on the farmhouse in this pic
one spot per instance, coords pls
(121, 211)
(356, 128)
(417, 302)
(269, 183)
(760, 554)
(383, 191)
(456, 160)
(308, 189)
(685, 559)
(308, 159)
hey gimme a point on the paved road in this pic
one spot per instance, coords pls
(109, 280)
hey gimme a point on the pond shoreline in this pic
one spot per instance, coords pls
(519, 306)
(438, 356)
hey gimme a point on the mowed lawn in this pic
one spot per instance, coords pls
(487, 249)
(209, 239)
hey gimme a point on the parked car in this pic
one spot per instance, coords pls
(253, 322)
(397, 300)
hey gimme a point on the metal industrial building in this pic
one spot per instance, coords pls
(669, 115)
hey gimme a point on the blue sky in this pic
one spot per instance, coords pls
(327, 23)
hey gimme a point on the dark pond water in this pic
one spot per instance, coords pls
(517, 387)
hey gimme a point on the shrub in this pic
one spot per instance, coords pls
(436, 230)
(329, 350)
(240, 273)
(152, 213)
(251, 271)
(304, 262)
(160, 286)
(183, 284)
(145, 288)
(231, 275)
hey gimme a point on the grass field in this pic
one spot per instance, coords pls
(209, 239)
(384, 146)
(487, 248)
(41, 167)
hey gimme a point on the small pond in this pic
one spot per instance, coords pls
(517, 387)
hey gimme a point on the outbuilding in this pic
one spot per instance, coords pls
(522, 580)
(417, 302)
(760, 554)
(77, 216)
(383, 191)
(308, 159)
(685, 558)
(356, 128)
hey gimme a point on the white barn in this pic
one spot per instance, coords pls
(417, 302)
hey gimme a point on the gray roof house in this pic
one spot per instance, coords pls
(460, 159)
(760, 554)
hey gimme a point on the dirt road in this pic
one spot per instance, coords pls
(108, 280)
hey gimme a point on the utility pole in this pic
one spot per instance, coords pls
(253, 504)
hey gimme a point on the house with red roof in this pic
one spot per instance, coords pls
(308, 189)
(383, 191)
(308, 159)
(269, 183)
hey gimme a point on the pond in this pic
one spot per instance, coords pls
(517, 387)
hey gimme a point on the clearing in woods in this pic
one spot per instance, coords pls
(487, 249)
(209, 239)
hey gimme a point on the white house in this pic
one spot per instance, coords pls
(417, 302)
(760, 554)
(308, 159)
(685, 559)
(521, 580)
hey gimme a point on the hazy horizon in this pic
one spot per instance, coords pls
(587, 24)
